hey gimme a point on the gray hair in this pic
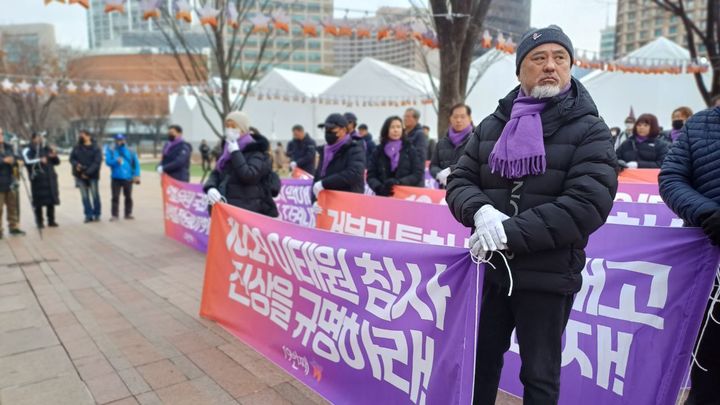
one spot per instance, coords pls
(415, 113)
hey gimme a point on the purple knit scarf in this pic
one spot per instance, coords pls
(243, 142)
(329, 152)
(675, 134)
(457, 138)
(392, 151)
(520, 150)
(169, 145)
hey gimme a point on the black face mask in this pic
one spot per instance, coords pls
(171, 137)
(330, 137)
(678, 124)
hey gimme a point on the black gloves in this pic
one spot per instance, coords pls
(711, 227)
(388, 186)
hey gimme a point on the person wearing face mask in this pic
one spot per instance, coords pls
(40, 161)
(86, 160)
(537, 178)
(450, 148)
(243, 175)
(176, 155)
(125, 172)
(615, 137)
(679, 117)
(342, 160)
(395, 162)
(645, 149)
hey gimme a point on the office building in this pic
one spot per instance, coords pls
(607, 43)
(22, 39)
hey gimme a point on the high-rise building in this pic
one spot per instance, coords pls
(641, 21)
(511, 17)
(607, 43)
(288, 50)
(22, 39)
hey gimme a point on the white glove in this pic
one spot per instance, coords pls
(632, 165)
(489, 233)
(214, 196)
(233, 146)
(232, 135)
(443, 176)
(317, 188)
(160, 169)
(293, 165)
(317, 209)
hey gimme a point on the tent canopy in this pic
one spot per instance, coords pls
(372, 77)
(291, 82)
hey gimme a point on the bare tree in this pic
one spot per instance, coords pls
(709, 38)
(149, 112)
(458, 24)
(92, 110)
(228, 36)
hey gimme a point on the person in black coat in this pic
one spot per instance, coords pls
(302, 150)
(451, 147)
(365, 137)
(8, 187)
(205, 155)
(537, 209)
(395, 162)
(645, 149)
(86, 160)
(40, 161)
(342, 160)
(689, 186)
(415, 132)
(176, 156)
(243, 174)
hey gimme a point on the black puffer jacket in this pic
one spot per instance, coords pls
(552, 214)
(244, 181)
(303, 153)
(176, 161)
(446, 155)
(90, 157)
(43, 179)
(346, 171)
(6, 169)
(409, 172)
(417, 138)
(648, 155)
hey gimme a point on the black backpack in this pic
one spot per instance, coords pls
(272, 181)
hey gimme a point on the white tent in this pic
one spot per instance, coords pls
(491, 78)
(372, 80)
(615, 92)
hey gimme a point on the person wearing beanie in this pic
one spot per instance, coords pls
(243, 175)
(537, 178)
(449, 148)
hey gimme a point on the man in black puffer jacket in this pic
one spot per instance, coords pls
(537, 178)
(690, 186)
(451, 147)
(86, 160)
(302, 150)
(176, 155)
(342, 160)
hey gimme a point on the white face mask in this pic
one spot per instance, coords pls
(232, 132)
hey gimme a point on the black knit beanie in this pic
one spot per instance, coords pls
(534, 38)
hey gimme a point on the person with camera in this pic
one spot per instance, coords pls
(125, 168)
(86, 161)
(40, 161)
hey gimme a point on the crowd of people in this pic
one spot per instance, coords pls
(533, 181)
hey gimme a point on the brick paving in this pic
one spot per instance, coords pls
(107, 313)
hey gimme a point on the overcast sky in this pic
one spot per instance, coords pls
(581, 19)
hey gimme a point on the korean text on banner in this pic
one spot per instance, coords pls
(634, 322)
(294, 203)
(354, 319)
(626, 213)
(186, 213)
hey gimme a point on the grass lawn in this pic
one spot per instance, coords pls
(195, 169)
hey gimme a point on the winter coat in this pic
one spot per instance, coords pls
(553, 214)
(409, 172)
(620, 139)
(205, 152)
(303, 153)
(648, 155)
(690, 175)
(43, 179)
(90, 158)
(446, 155)
(244, 180)
(176, 161)
(346, 172)
(417, 137)
(7, 171)
(369, 146)
(130, 166)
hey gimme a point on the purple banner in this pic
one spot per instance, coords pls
(357, 320)
(294, 203)
(186, 213)
(634, 323)
(638, 193)
(624, 213)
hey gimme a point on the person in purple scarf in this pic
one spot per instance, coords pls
(395, 162)
(450, 148)
(176, 155)
(679, 117)
(243, 175)
(342, 159)
(536, 179)
(645, 149)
